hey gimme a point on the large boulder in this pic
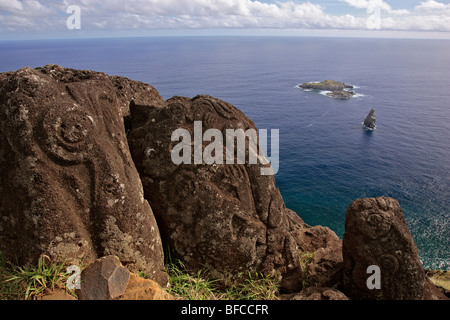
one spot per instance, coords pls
(108, 279)
(325, 269)
(105, 279)
(69, 186)
(228, 218)
(377, 239)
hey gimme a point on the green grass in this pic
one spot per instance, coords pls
(256, 287)
(191, 286)
(199, 286)
(21, 283)
(306, 258)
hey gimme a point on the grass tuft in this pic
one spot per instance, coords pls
(306, 258)
(199, 286)
(191, 286)
(21, 283)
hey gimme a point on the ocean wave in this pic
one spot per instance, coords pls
(325, 92)
(367, 128)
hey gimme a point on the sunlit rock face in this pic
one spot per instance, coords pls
(69, 186)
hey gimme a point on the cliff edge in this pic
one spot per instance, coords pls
(88, 171)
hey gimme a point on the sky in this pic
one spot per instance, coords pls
(41, 19)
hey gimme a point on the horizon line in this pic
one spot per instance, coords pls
(343, 36)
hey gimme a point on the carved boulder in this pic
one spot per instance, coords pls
(377, 240)
(227, 217)
(69, 187)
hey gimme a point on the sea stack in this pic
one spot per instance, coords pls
(370, 120)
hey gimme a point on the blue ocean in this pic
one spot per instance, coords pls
(327, 159)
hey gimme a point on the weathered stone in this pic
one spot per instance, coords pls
(320, 294)
(371, 120)
(327, 85)
(105, 279)
(326, 268)
(341, 95)
(337, 90)
(144, 289)
(69, 186)
(56, 295)
(310, 239)
(225, 217)
(376, 234)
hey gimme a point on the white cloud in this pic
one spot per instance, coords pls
(365, 4)
(374, 4)
(432, 5)
(114, 15)
(10, 5)
(429, 15)
(219, 14)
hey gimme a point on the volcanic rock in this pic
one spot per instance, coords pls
(69, 186)
(108, 279)
(341, 95)
(105, 279)
(370, 120)
(227, 218)
(326, 269)
(376, 234)
(327, 85)
(140, 289)
(320, 294)
(337, 90)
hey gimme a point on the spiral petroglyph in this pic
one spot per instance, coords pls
(67, 133)
(74, 191)
(376, 235)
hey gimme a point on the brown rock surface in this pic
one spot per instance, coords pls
(69, 186)
(225, 217)
(376, 234)
(144, 289)
(105, 279)
(326, 268)
(56, 295)
(320, 293)
(108, 279)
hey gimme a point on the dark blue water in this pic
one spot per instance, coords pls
(326, 159)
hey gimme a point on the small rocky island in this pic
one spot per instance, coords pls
(337, 90)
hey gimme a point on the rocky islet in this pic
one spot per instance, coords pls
(334, 89)
(370, 121)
